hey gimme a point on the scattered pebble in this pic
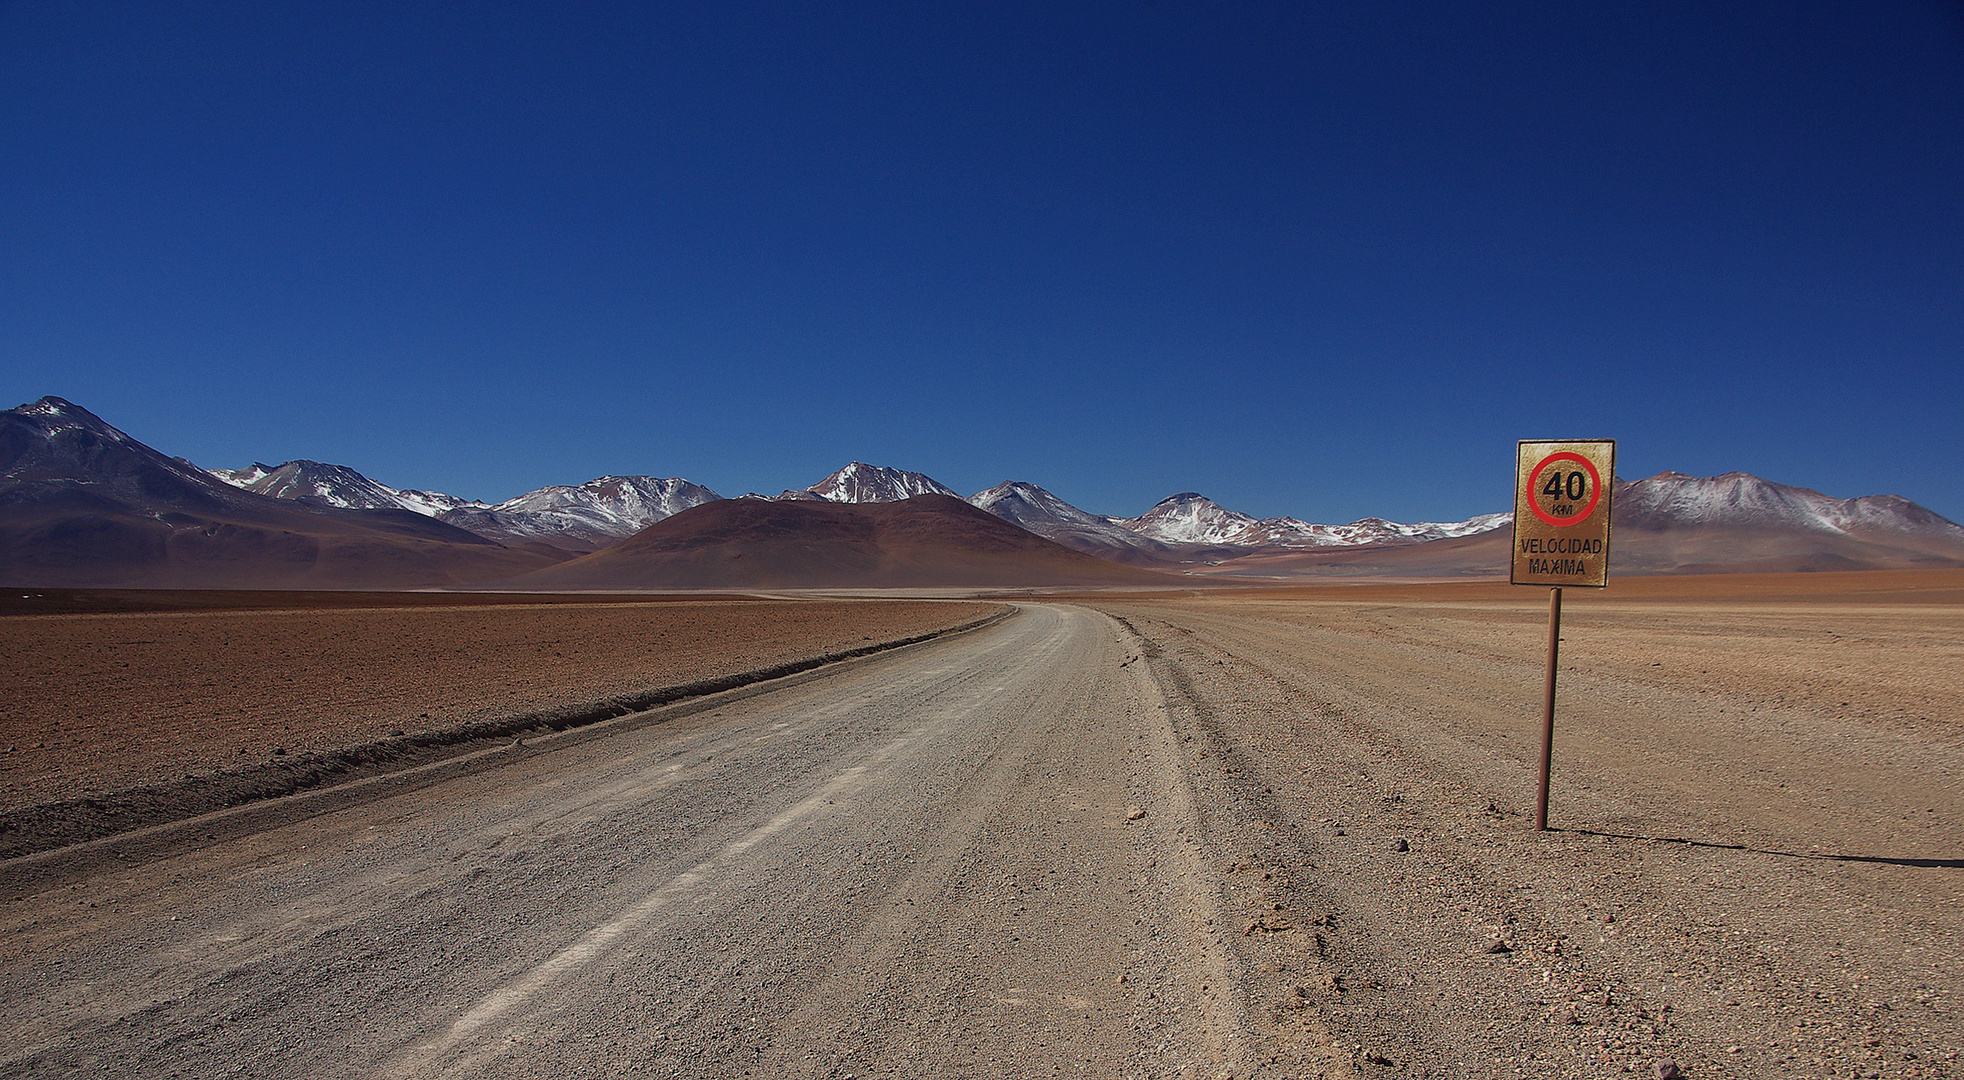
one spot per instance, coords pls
(1400, 845)
(1133, 813)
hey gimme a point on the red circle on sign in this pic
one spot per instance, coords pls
(1595, 489)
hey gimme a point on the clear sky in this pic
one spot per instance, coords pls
(1316, 260)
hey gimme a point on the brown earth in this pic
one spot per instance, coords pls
(1756, 860)
(1756, 867)
(106, 702)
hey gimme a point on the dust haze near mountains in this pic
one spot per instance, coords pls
(84, 505)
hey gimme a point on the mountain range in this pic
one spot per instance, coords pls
(82, 503)
(580, 519)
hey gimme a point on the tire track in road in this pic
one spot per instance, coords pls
(1357, 763)
(917, 866)
(480, 1022)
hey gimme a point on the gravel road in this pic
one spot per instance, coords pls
(928, 863)
(1193, 837)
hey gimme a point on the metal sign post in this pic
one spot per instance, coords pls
(1548, 709)
(1561, 538)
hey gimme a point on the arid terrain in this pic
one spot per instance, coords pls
(1282, 832)
(1756, 859)
(104, 701)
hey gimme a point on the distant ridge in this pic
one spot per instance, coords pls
(83, 504)
(1674, 524)
(1192, 518)
(584, 517)
(928, 541)
(1031, 507)
(320, 484)
(859, 482)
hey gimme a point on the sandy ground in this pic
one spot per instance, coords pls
(973, 857)
(1756, 865)
(107, 701)
(920, 866)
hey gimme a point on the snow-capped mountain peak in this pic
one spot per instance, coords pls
(634, 501)
(1192, 518)
(1030, 506)
(1742, 500)
(859, 482)
(321, 484)
(584, 516)
(578, 516)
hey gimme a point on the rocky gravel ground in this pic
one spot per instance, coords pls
(1275, 834)
(977, 856)
(1757, 855)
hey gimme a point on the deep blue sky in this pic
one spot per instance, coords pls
(1325, 261)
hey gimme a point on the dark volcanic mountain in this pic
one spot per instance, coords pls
(929, 541)
(83, 504)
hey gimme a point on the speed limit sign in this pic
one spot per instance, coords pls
(1561, 512)
(1561, 537)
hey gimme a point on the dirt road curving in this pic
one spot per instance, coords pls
(924, 865)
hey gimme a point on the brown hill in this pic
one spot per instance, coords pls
(78, 542)
(928, 541)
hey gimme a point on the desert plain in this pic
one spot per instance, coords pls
(175, 694)
(1279, 831)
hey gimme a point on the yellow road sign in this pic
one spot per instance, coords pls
(1561, 511)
